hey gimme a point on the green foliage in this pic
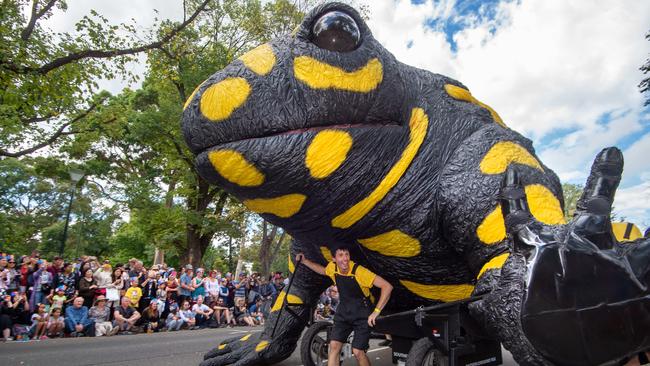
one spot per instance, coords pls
(572, 193)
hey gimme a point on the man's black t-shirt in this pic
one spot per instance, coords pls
(126, 313)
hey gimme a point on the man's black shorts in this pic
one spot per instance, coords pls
(342, 329)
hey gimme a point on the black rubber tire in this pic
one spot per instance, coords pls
(305, 344)
(424, 353)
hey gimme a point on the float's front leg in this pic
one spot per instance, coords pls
(277, 342)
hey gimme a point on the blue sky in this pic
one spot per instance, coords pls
(562, 73)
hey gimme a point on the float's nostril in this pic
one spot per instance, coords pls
(336, 31)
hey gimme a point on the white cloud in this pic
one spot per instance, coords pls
(633, 203)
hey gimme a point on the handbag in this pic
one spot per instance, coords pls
(112, 294)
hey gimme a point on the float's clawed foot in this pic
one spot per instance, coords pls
(586, 299)
(247, 350)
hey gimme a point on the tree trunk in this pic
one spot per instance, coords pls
(240, 260)
(159, 254)
(266, 253)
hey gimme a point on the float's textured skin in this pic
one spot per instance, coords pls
(404, 167)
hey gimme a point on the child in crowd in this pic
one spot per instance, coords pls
(174, 321)
(39, 323)
(161, 298)
(134, 293)
(57, 299)
(55, 323)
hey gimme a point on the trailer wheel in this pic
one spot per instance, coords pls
(424, 353)
(314, 345)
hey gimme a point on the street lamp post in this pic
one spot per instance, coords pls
(75, 176)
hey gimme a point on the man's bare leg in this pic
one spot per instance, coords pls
(361, 357)
(334, 353)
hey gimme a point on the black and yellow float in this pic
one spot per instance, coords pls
(324, 133)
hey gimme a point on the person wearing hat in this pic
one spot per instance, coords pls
(100, 313)
(354, 311)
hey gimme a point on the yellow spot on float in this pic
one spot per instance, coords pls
(291, 265)
(189, 100)
(222, 346)
(262, 345)
(418, 129)
(221, 99)
(245, 338)
(459, 93)
(504, 153)
(326, 152)
(327, 254)
(543, 204)
(235, 168)
(291, 300)
(443, 293)
(393, 243)
(493, 228)
(496, 262)
(260, 59)
(283, 206)
(621, 228)
(319, 75)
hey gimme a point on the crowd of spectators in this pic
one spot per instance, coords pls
(41, 299)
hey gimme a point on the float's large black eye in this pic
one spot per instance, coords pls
(336, 31)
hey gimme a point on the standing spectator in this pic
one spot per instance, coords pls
(240, 288)
(185, 290)
(55, 324)
(4, 276)
(87, 287)
(26, 269)
(211, 288)
(125, 316)
(241, 313)
(13, 275)
(76, 319)
(134, 293)
(42, 280)
(174, 321)
(278, 284)
(101, 315)
(161, 299)
(221, 313)
(231, 291)
(198, 285)
(39, 323)
(149, 288)
(151, 318)
(68, 279)
(103, 278)
(187, 315)
(117, 286)
(172, 287)
(6, 311)
(224, 292)
(55, 268)
(267, 293)
(202, 312)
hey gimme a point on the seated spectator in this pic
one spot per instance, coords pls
(77, 322)
(174, 321)
(6, 312)
(202, 312)
(188, 316)
(222, 313)
(55, 324)
(242, 316)
(256, 312)
(134, 294)
(151, 318)
(101, 314)
(125, 316)
(39, 323)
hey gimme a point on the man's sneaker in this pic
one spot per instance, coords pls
(114, 331)
(125, 332)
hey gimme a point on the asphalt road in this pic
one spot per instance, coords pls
(160, 349)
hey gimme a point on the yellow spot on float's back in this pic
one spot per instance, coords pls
(493, 228)
(291, 300)
(283, 206)
(326, 152)
(459, 93)
(620, 230)
(260, 59)
(245, 338)
(319, 75)
(443, 293)
(222, 346)
(496, 262)
(221, 99)
(327, 254)
(543, 204)
(504, 153)
(235, 168)
(189, 100)
(292, 267)
(393, 243)
(262, 345)
(418, 129)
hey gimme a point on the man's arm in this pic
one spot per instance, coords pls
(313, 266)
(386, 289)
(118, 316)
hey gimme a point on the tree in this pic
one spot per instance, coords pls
(572, 193)
(644, 86)
(48, 80)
